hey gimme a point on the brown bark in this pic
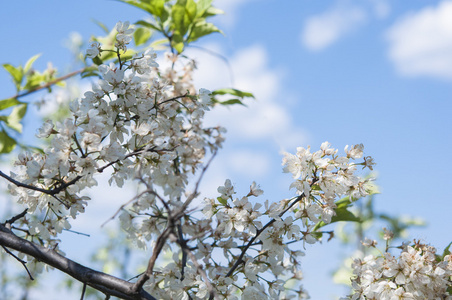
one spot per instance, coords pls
(102, 282)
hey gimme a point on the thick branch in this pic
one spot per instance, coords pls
(105, 283)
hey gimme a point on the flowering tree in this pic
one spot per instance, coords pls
(144, 123)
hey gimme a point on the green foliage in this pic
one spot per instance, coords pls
(181, 23)
(141, 36)
(32, 78)
(17, 74)
(237, 96)
(14, 118)
(26, 80)
(7, 143)
(446, 251)
(222, 201)
(6, 103)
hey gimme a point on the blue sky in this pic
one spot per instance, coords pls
(376, 72)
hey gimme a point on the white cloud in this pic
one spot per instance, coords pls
(380, 8)
(230, 8)
(253, 131)
(421, 42)
(252, 164)
(265, 118)
(322, 30)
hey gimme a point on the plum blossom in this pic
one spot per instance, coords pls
(45, 130)
(416, 274)
(145, 123)
(93, 50)
(124, 35)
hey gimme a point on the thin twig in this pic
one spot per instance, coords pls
(239, 260)
(45, 191)
(124, 205)
(173, 99)
(173, 217)
(50, 83)
(10, 222)
(83, 291)
(199, 268)
(77, 232)
(136, 152)
(19, 260)
(194, 194)
(161, 240)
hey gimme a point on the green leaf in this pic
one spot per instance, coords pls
(141, 36)
(157, 8)
(231, 102)
(90, 71)
(212, 11)
(30, 62)
(190, 10)
(222, 201)
(177, 43)
(153, 7)
(233, 92)
(148, 25)
(7, 144)
(16, 73)
(344, 202)
(5, 103)
(141, 5)
(13, 120)
(178, 15)
(342, 214)
(97, 60)
(34, 80)
(202, 7)
(446, 251)
(157, 45)
(201, 29)
(183, 14)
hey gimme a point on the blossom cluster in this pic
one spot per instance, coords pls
(145, 122)
(323, 176)
(269, 231)
(417, 274)
(139, 121)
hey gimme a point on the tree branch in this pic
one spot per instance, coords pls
(51, 192)
(102, 282)
(19, 260)
(186, 250)
(239, 260)
(161, 240)
(50, 83)
(10, 222)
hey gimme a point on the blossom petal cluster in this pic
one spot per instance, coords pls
(138, 122)
(416, 274)
(272, 231)
(144, 122)
(323, 177)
